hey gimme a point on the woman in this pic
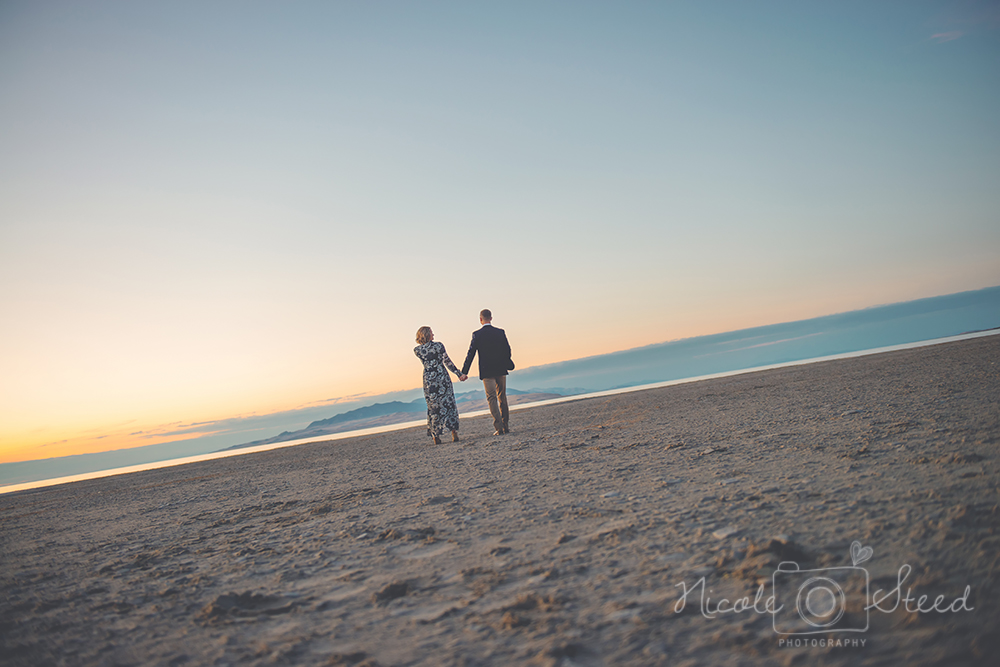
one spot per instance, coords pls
(442, 413)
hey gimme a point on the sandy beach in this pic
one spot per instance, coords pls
(568, 542)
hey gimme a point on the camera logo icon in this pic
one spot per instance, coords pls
(833, 599)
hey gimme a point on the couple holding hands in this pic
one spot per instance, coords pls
(494, 363)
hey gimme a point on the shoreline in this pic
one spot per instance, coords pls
(239, 450)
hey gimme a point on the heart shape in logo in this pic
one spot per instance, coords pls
(860, 554)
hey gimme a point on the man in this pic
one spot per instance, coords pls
(494, 362)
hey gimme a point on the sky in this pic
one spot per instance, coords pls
(218, 210)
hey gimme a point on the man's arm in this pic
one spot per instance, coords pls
(469, 356)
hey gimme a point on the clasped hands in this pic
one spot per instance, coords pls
(462, 377)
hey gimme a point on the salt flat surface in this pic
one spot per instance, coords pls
(565, 543)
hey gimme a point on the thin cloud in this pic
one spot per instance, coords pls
(949, 36)
(187, 430)
(341, 399)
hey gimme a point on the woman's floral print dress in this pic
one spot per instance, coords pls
(442, 412)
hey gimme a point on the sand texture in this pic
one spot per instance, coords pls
(560, 544)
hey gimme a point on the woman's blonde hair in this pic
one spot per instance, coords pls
(423, 335)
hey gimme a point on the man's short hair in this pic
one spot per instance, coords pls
(486, 314)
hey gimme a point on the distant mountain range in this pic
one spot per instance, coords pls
(393, 412)
(879, 326)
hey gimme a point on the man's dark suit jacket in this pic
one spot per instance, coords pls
(494, 352)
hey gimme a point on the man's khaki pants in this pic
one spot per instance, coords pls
(496, 397)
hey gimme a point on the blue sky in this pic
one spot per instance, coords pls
(213, 210)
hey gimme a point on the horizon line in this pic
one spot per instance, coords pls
(226, 453)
